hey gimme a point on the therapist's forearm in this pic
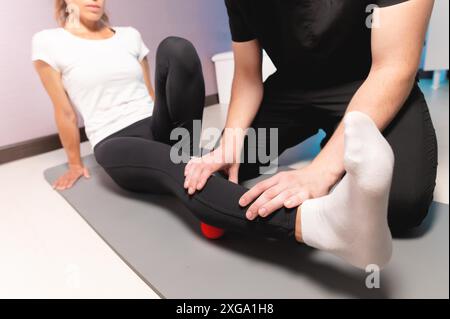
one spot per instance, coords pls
(381, 97)
(245, 103)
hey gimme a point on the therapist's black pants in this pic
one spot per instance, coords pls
(138, 157)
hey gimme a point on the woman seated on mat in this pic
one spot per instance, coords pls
(103, 72)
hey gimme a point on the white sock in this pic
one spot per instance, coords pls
(351, 222)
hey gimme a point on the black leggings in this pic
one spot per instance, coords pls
(138, 159)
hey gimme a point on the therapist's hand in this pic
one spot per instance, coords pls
(289, 189)
(199, 169)
(69, 178)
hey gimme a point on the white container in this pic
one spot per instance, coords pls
(224, 64)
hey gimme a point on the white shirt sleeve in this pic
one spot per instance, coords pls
(142, 48)
(41, 50)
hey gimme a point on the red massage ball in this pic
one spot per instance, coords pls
(211, 232)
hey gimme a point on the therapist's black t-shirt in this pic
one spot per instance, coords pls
(312, 43)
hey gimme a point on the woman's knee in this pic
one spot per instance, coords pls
(180, 52)
(408, 210)
(102, 153)
(116, 151)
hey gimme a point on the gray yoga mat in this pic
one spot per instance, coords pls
(161, 241)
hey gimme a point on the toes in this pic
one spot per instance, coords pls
(356, 118)
(353, 149)
(351, 119)
(353, 140)
(360, 122)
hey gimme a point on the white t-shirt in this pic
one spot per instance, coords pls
(103, 78)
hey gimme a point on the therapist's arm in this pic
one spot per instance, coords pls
(247, 91)
(246, 98)
(396, 50)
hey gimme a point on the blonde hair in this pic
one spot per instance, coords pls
(61, 13)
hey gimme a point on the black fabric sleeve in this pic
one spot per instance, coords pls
(239, 27)
(387, 3)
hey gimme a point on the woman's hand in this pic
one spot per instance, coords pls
(70, 177)
(289, 189)
(199, 169)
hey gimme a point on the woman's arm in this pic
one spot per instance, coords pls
(396, 50)
(66, 121)
(146, 70)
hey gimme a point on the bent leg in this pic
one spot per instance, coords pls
(142, 165)
(179, 88)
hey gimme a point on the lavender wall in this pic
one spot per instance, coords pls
(26, 110)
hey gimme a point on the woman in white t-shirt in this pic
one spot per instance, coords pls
(103, 72)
